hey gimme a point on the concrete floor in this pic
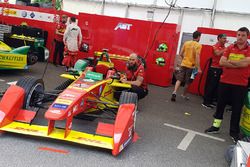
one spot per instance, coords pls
(171, 134)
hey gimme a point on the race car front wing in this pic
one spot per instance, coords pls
(110, 136)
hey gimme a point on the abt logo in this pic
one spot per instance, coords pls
(123, 26)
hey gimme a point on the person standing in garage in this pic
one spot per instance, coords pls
(190, 54)
(59, 45)
(72, 39)
(233, 83)
(214, 72)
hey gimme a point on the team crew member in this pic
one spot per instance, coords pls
(72, 39)
(190, 54)
(135, 75)
(214, 72)
(233, 83)
(59, 45)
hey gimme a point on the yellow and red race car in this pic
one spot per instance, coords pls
(18, 58)
(84, 94)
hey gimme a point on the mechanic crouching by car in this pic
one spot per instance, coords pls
(135, 75)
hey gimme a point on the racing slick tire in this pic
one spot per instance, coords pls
(32, 58)
(128, 98)
(34, 91)
(64, 85)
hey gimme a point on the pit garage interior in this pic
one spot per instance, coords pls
(167, 133)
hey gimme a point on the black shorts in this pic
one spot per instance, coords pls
(184, 74)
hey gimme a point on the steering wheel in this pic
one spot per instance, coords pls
(115, 74)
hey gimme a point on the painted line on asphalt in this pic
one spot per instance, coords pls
(53, 150)
(1, 80)
(186, 141)
(190, 136)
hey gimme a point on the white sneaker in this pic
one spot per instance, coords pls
(207, 106)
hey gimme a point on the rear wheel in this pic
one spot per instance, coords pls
(31, 58)
(34, 92)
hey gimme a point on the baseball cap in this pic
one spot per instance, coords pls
(222, 36)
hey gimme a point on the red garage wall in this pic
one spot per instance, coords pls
(120, 35)
(123, 36)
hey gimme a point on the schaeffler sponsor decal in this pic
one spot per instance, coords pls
(123, 26)
(55, 111)
(60, 106)
(12, 58)
(89, 140)
(63, 101)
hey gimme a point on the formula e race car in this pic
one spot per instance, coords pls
(18, 58)
(86, 93)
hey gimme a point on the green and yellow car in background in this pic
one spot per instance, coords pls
(18, 58)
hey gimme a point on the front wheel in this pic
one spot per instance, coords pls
(64, 85)
(129, 98)
(34, 92)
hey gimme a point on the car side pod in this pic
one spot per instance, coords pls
(124, 127)
(11, 104)
(21, 50)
